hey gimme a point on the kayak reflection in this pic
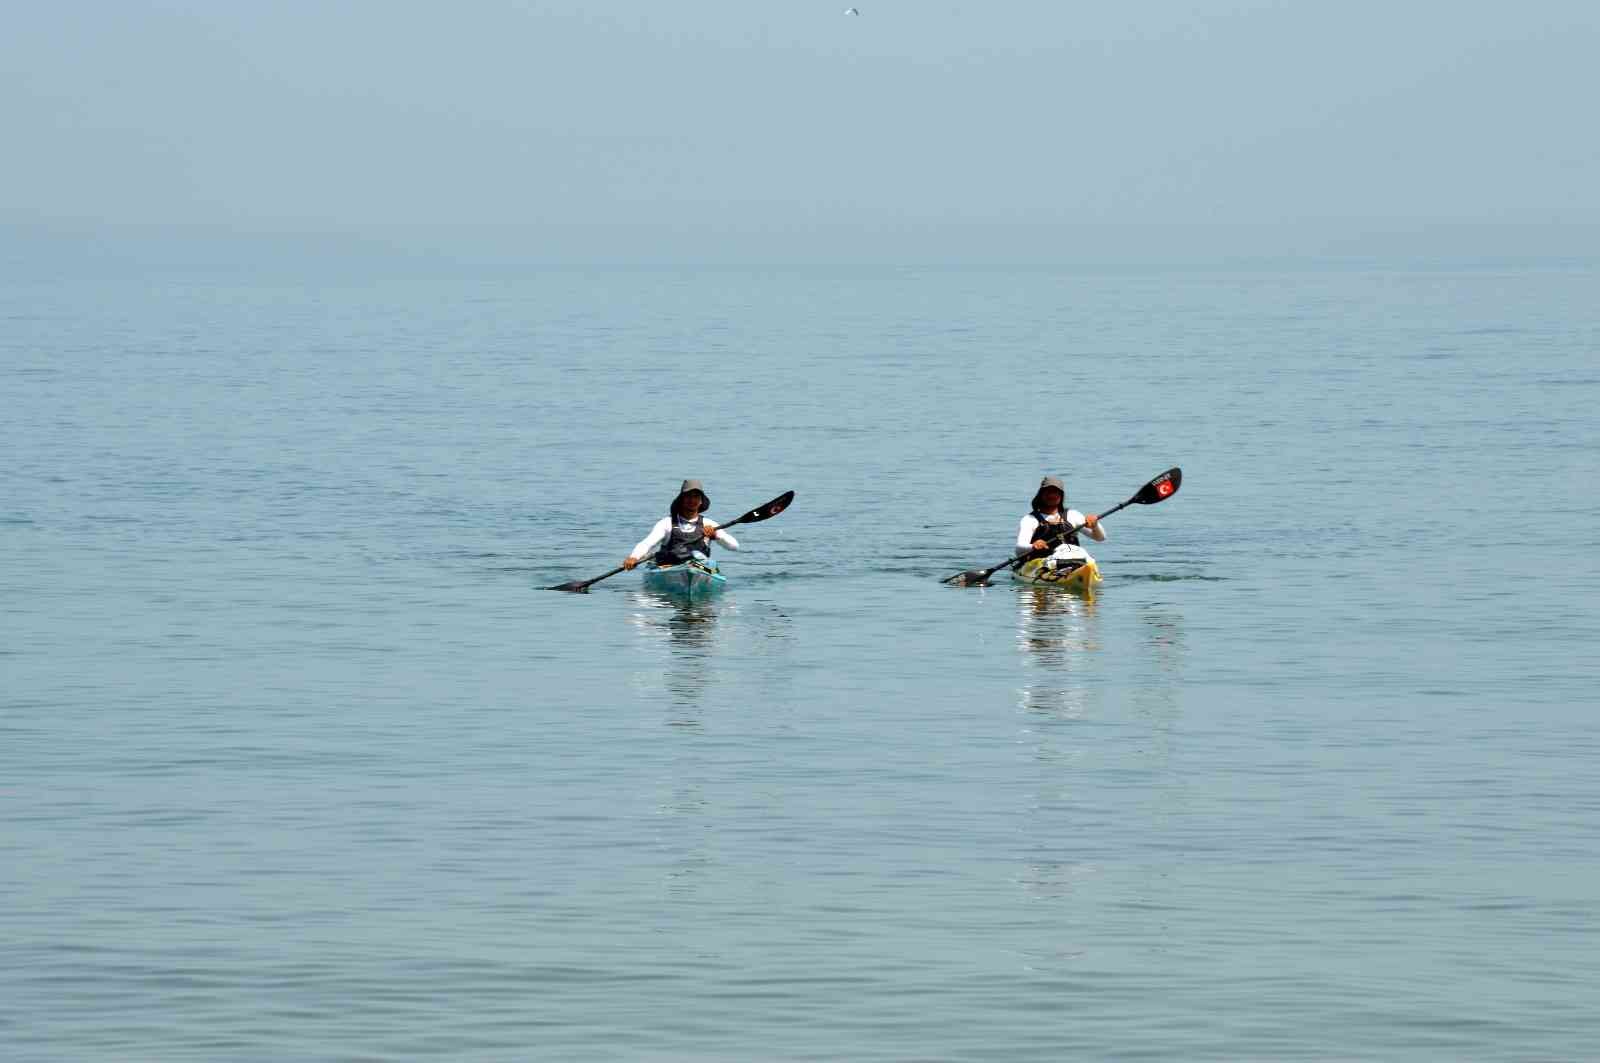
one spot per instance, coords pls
(684, 638)
(1058, 632)
(1058, 635)
(1053, 628)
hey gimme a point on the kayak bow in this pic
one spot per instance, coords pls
(691, 581)
(1076, 572)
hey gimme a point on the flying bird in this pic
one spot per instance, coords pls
(852, 11)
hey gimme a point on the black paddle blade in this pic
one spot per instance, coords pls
(1161, 488)
(975, 577)
(581, 586)
(771, 509)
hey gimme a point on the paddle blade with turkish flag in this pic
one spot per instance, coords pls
(1161, 488)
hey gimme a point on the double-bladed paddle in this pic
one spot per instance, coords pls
(1160, 489)
(771, 509)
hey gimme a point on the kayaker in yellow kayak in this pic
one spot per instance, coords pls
(1047, 516)
(683, 532)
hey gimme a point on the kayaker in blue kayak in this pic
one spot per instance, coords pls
(1047, 516)
(683, 532)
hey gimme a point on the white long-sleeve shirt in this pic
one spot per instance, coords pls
(1029, 530)
(648, 544)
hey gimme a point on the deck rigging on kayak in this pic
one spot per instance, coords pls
(688, 571)
(1046, 565)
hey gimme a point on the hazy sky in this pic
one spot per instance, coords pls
(671, 127)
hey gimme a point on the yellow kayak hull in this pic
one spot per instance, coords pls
(1068, 576)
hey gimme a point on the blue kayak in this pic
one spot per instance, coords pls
(691, 581)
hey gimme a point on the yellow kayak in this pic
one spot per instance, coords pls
(1076, 574)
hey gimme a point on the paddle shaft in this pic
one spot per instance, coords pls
(586, 584)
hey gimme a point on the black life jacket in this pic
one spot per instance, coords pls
(685, 538)
(1045, 528)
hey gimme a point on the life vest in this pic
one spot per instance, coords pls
(1046, 527)
(685, 538)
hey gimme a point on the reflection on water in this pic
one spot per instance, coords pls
(1054, 626)
(684, 635)
(1045, 878)
(1161, 666)
(1057, 633)
(1060, 637)
(681, 834)
(1055, 630)
(681, 640)
(1164, 635)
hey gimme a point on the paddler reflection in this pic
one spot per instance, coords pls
(691, 633)
(1054, 627)
(1057, 632)
(1058, 635)
(683, 638)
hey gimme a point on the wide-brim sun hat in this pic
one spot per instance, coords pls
(1047, 482)
(688, 486)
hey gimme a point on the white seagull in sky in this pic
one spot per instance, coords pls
(852, 11)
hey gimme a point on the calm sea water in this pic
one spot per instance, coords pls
(297, 760)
